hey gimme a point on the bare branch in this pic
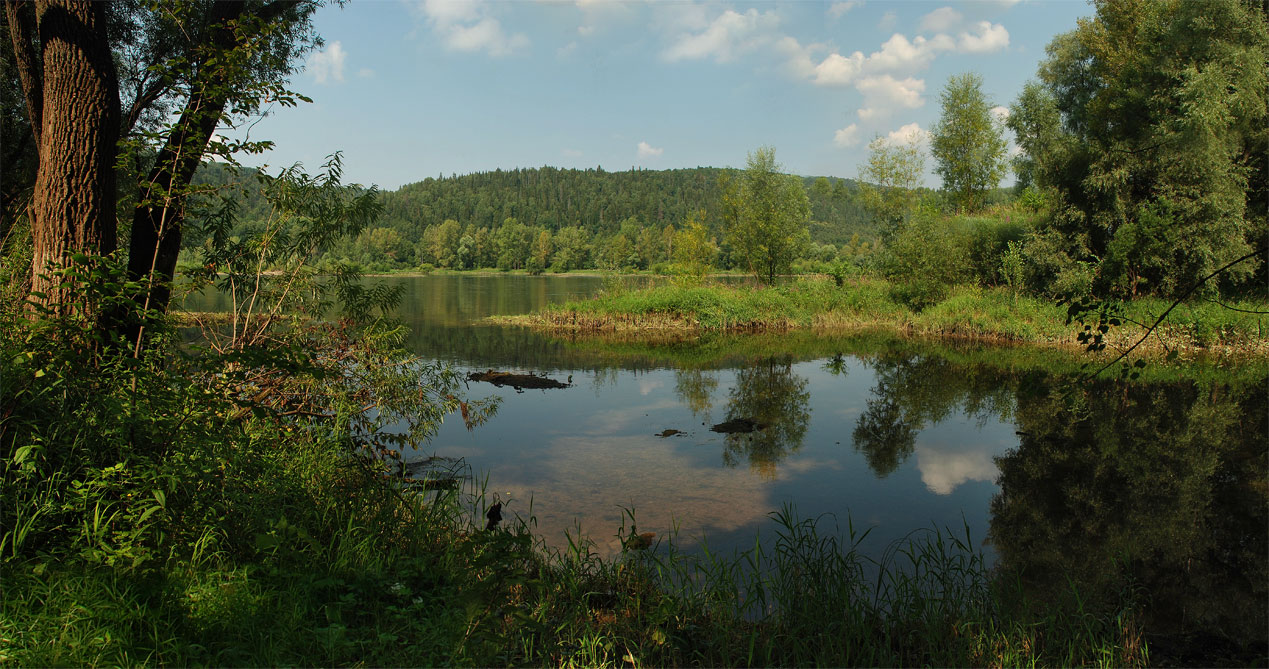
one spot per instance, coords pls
(1175, 304)
(21, 17)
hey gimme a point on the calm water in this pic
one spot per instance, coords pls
(1160, 487)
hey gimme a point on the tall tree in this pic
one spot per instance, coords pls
(766, 213)
(235, 60)
(968, 142)
(95, 73)
(72, 101)
(890, 180)
(1160, 158)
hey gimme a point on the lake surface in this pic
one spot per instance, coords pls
(1157, 488)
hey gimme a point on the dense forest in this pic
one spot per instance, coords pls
(547, 217)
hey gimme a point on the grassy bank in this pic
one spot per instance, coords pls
(362, 573)
(966, 313)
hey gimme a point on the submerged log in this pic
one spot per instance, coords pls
(738, 426)
(517, 381)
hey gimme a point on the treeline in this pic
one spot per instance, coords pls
(545, 218)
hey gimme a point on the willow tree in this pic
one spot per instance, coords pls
(149, 82)
(766, 213)
(889, 181)
(1150, 124)
(968, 142)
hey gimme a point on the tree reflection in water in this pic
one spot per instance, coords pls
(914, 391)
(695, 388)
(1158, 490)
(768, 392)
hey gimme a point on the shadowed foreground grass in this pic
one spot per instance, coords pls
(965, 312)
(345, 567)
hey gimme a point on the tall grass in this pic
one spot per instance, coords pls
(966, 312)
(366, 572)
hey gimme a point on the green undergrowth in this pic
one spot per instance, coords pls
(965, 312)
(420, 585)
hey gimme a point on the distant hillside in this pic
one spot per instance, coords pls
(598, 201)
(593, 199)
(577, 218)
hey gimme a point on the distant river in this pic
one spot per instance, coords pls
(1159, 485)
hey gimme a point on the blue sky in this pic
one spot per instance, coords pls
(412, 89)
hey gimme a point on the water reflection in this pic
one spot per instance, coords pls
(769, 393)
(945, 468)
(1155, 489)
(916, 391)
(695, 387)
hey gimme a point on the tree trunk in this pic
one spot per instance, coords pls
(73, 206)
(156, 223)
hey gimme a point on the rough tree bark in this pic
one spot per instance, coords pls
(75, 97)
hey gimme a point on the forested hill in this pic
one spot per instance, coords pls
(551, 198)
(599, 201)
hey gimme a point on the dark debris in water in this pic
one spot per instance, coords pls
(668, 432)
(517, 381)
(738, 426)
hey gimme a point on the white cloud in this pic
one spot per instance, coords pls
(451, 11)
(990, 37)
(565, 50)
(1001, 113)
(942, 472)
(838, 70)
(328, 63)
(837, 9)
(900, 55)
(847, 137)
(884, 93)
(648, 151)
(465, 25)
(883, 77)
(897, 55)
(941, 20)
(726, 37)
(908, 134)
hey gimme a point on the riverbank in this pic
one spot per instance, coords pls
(870, 305)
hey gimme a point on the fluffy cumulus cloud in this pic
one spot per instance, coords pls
(908, 134)
(726, 37)
(465, 25)
(887, 78)
(987, 38)
(327, 64)
(847, 137)
(1001, 113)
(885, 93)
(646, 150)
